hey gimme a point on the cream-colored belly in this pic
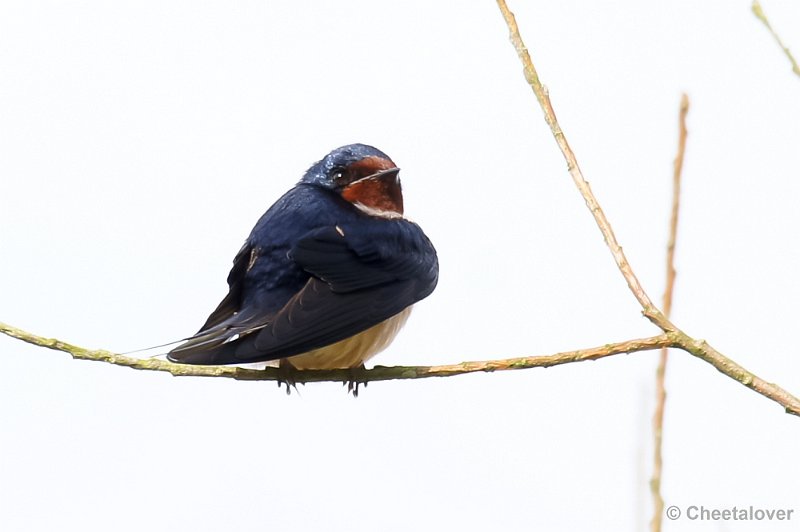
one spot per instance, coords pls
(354, 351)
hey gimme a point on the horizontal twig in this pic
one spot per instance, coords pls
(384, 373)
(362, 375)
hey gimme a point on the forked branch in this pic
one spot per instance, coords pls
(698, 348)
(671, 337)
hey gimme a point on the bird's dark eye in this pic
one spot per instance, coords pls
(337, 174)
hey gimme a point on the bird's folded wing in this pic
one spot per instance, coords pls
(358, 279)
(349, 261)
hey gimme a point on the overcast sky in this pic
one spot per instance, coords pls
(140, 141)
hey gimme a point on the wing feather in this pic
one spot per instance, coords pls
(359, 276)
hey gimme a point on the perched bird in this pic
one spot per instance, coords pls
(328, 275)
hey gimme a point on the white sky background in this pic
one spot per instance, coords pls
(139, 143)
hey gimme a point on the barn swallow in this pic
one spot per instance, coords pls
(328, 275)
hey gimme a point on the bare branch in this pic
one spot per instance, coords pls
(543, 96)
(671, 337)
(703, 351)
(676, 200)
(661, 393)
(760, 15)
(696, 347)
(361, 375)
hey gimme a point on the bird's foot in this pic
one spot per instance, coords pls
(286, 373)
(353, 382)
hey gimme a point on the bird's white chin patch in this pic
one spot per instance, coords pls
(372, 211)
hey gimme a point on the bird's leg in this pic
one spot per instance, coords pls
(286, 372)
(353, 383)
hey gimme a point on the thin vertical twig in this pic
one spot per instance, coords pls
(661, 393)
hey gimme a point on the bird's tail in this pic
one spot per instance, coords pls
(160, 347)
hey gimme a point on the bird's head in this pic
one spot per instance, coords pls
(362, 175)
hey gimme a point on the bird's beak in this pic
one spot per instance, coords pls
(384, 175)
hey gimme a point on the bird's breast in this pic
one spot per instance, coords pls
(354, 351)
